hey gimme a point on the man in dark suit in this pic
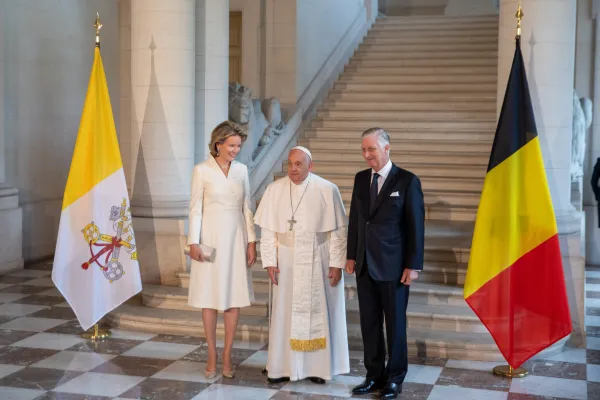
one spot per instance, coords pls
(386, 235)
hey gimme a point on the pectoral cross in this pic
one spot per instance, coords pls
(292, 222)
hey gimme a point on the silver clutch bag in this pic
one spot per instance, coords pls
(209, 252)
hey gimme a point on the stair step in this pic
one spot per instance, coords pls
(359, 125)
(451, 39)
(471, 27)
(318, 134)
(413, 157)
(176, 298)
(448, 71)
(424, 33)
(361, 77)
(436, 20)
(421, 342)
(415, 96)
(454, 317)
(440, 54)
(353, 145)
(421, 170)
(423, 62)
(444, 212)
(399, 115)
(401, 105)
(393, 48)
(413, 87)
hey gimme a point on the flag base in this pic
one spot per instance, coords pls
(97, 335)
(508, 372)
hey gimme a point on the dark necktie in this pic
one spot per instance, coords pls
(374, 190)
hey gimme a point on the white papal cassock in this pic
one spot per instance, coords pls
(308, 336)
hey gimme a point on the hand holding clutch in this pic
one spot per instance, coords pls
(208, 253)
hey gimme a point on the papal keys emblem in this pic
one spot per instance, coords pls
(109, 248)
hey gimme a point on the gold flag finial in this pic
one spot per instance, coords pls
(97, 25)
(519, 16)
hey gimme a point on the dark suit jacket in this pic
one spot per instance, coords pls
(595, 178)
(392, 237)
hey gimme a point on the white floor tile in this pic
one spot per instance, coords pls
(19, 310)
(570, 355)
(459, 393)
(167, 351)
(39, 282)
(258, 360)
(6, 369)
(10, 393)
(423, 374)
(53, 341)
(593, 343)
(592, 274)
(593, 373)
(130, 335)
(10, 297)
(31, 273)
(32, 324)
(340, 386)
(472, 365)
(74, 361)
(242, 344)
(592, 303)
(551, 387)
(592, 320)
(227, 392)
(186, 371)
(95, 384)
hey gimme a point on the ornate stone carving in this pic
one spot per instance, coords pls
(262, 120)
(582, 119)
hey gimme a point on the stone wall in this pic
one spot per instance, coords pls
(48, 52)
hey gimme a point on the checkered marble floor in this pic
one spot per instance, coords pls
(42, 356)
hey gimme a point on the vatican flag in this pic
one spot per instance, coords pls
(95, 263)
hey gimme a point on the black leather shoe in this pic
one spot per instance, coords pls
(315, 379)
(391, 391)
(368, 386)
(278, 380)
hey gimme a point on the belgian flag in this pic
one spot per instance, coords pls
(515, 282)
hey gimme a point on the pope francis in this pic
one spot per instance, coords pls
(303, 246)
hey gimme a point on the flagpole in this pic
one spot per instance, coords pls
(98, 334)
(507, 370)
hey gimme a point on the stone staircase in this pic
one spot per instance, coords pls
(431, 83)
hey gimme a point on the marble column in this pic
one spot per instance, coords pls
(11, 215)
(212, 70)
(548, 46)
(161, 136)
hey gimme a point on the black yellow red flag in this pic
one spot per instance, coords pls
(515, 281)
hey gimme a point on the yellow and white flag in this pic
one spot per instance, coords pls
(95, 263)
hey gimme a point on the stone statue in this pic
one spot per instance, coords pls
(582, 119)
(262, 120)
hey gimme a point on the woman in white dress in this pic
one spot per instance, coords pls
(220, 218)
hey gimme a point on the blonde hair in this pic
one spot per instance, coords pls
(221, 132)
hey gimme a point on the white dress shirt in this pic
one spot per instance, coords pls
(383, 174)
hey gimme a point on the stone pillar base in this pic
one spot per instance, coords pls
(11, 234)
(160, 243)
(573, 257)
